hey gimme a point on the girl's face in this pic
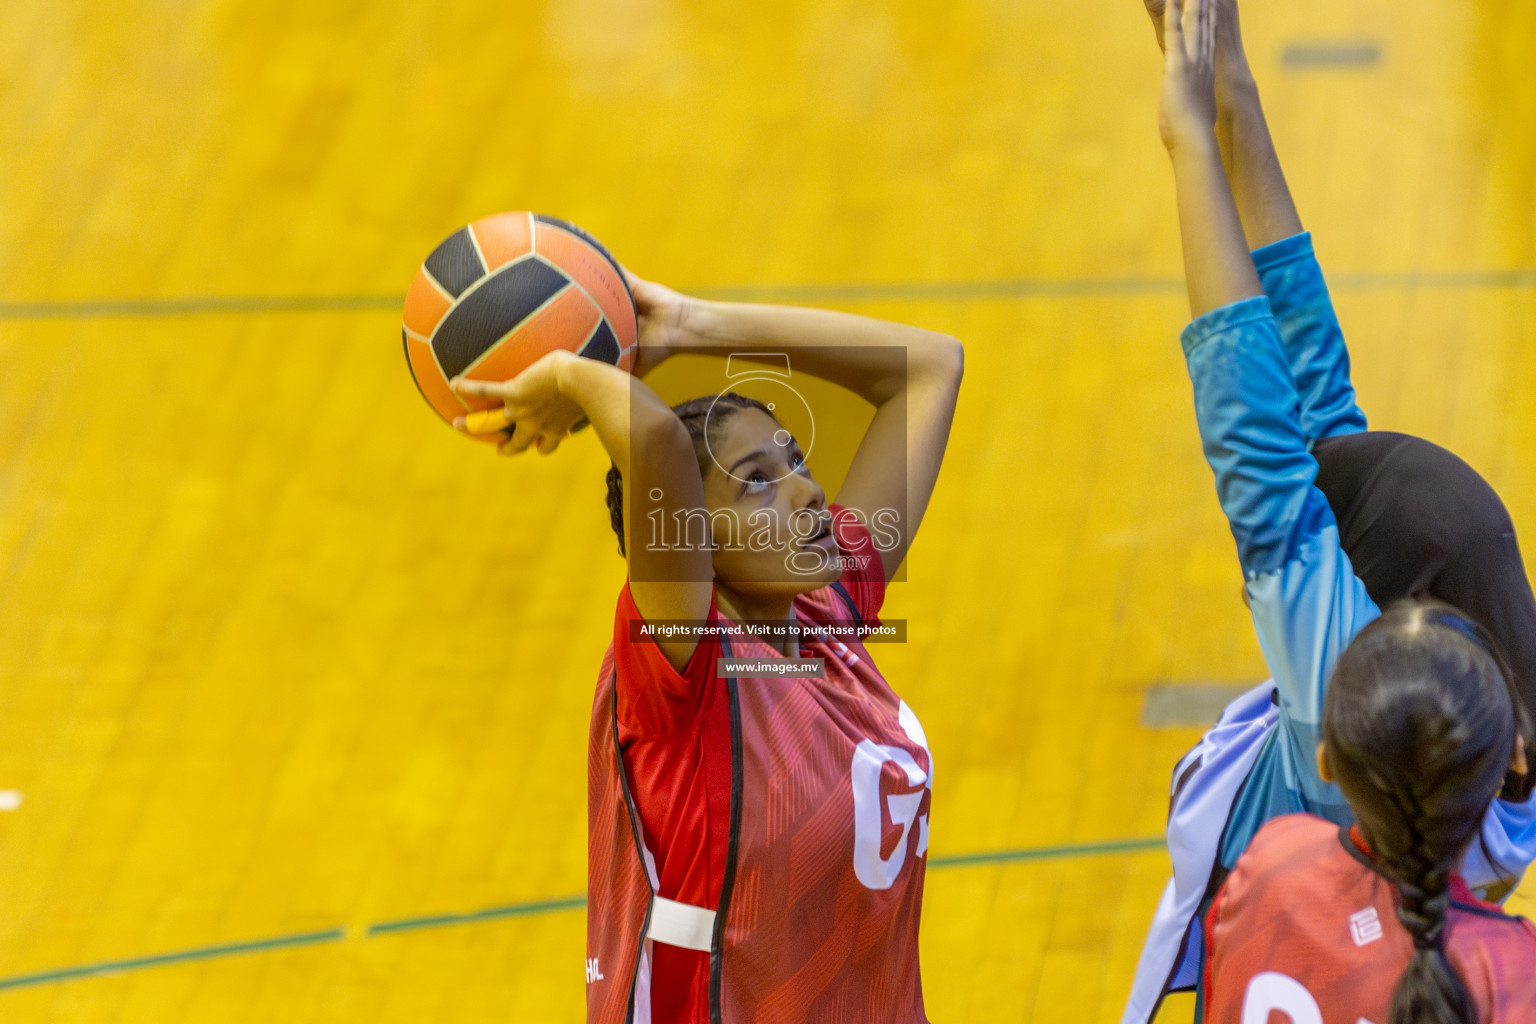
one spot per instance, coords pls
(769, 522)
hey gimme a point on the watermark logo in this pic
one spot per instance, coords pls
(767, 374)
(774, 504)
(724, 529)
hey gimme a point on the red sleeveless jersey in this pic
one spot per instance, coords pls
(1305, 926)
(816, 879)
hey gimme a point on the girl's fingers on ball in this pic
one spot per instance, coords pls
(480, 388)
(486, 421)
(521, 440)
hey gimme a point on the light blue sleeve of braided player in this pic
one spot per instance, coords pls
(1310, 336)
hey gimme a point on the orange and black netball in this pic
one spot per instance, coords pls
(504, 290)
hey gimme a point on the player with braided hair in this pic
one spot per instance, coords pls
(1271, 383)
(1420, 724)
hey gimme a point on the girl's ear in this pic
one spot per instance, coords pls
(1327, 776)
(1518, 763)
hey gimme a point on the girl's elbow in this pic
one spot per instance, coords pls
(660, 431)
(946, 359)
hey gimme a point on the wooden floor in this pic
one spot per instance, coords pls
(282, 660)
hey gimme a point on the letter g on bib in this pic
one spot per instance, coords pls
(871, 869)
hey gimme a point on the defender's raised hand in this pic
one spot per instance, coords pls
(1231, 60)
(1187, 109)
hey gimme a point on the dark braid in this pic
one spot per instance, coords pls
(1429, 990)
(704, 418)
(1419, 726)
(616, 503)
(1423, 881)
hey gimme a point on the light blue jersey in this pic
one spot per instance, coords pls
(1271, 376)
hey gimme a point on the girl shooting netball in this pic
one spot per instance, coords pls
(738, 864)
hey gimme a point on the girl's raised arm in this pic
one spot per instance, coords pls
(910, 375)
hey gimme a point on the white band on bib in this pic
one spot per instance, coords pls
(681, 924)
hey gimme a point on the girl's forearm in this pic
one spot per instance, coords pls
(654, 453)
(1218, 269)
(874, 359)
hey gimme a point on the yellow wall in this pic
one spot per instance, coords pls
(279, 654)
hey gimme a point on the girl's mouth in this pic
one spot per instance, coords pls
(822, 536)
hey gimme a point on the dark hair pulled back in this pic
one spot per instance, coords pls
(705, 418)
(1419, 726)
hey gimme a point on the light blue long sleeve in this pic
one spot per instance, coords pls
(1306, 602)
(1310, 335)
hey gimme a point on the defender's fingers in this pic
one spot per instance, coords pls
(1156, 8)
(547, 444)
(1173, 27)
